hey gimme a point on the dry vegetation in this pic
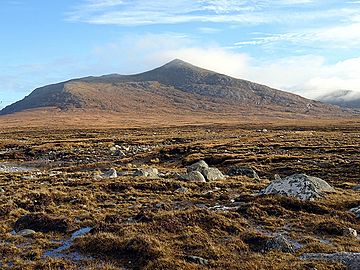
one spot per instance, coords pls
(142, 223)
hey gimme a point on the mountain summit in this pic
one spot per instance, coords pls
(176, 87)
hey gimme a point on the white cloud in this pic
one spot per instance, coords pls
(307, 75)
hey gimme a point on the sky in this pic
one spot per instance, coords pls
(308, 47)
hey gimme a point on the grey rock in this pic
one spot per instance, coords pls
(198, 166)
(147, 172)
(357, 188)
(195, 176)
(356, 211)
(26, 232)
(110, 174)
(212, 174)
(196, 259)
(301, 186)
(244, 171)
(181, 190)
(350, 260)
(279, 243)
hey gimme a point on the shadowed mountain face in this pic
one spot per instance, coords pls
(177, 87)
(342, 98)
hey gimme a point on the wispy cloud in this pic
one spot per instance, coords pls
(140, 12)
(340, 36)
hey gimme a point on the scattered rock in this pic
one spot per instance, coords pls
(195, 176)
(301, 186)
(212, 174)
(356, 211)
(110, 174)
(350, 260)
(26, 232)
(148, 172)
(40, 222)
(181, 190)
(198, 166)
(279, 243)
(196, 259)
(350, 232)
(209, 173)
(244, 171)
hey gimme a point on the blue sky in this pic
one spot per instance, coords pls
(304, 46)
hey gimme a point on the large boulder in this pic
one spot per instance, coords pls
(301, 186)
(209, 173)
(195, 176)
(213, 174)
(350, 260)
(198, 166)
(147, 172)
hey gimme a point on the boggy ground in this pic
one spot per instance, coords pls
(51, 183)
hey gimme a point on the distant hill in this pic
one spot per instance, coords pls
(342, 98)
(175, 88)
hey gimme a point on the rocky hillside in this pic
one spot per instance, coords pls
(174, 88)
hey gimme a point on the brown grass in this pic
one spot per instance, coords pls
(141, 223)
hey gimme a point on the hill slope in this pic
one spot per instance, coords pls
(177, 87)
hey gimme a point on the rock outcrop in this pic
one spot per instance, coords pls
(301, 186)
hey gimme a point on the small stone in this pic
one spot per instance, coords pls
(196, 259)
(113, 149)
(2, 190)
(356, 188)
(356, 211)
(279, 243)
(110, 174)
(350, 232)
(26, 232)
(181, 190)
(244, 171)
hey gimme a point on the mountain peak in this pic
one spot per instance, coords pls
(177, 63)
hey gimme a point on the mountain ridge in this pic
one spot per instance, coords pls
(175, 87)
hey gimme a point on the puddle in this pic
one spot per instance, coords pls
(66, 244)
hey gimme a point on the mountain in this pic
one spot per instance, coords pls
(342, 98)
(175, 88)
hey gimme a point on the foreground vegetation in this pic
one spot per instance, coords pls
(55, 184)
